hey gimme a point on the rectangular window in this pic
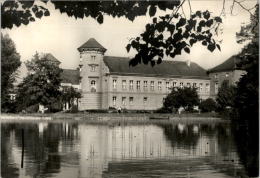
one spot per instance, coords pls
(145, 100)
(160, 86)
(216, 76)
(123, 101)
(201, 87)
(131, 85)
(145, 85)
(216, 87)
(152, 85)
(188, 85)
(114, 100)
(93, 68)
(167, 86)
(131, 100)
(124, 84)
(181, 85)
(138, 85)
(207, 87)
(93, 58)
(194, 85)
(114, 84)
(174, 84)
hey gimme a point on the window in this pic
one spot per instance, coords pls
(145, 85)
(194, 85)
(114, 84)
(227, 74)
(93, 68)
(216, 87)
(138, 85)
(145, 100)
(181, 85)
(152, 85)
(201, 87)
(123, 101)
(216, 75)
(174, 84)
(114, 100)
(167, 86)
(160, 86)
(188, 85)
(124, 84)
(131, 86)
(93, 86)
(131, 100)
(93, 58)
(207, 87)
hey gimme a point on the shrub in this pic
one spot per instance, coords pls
(208, 105)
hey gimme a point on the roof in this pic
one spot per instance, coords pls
(92, 43)
(50, 57)
(228, 65)
(120, 65)
(70, 76)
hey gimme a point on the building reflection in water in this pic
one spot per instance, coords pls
(84, 150)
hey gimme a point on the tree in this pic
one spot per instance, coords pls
(10, 61)
(69, 95)
(181, 97)
(246, 103)
(42, 85)
(168, 35)
(226, 95)
(208, 105)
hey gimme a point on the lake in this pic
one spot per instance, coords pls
(120, 149)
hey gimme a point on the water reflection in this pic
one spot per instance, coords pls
(125, 150)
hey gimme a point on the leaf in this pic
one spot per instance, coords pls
(218, 19)
(100, 19)
(206, 15)
(198, 13)
(204, 43)
(154, 20)
(211, 47)
(218, 47)
(47, 13)
(128, 47)
(152, 10)
(187, 50)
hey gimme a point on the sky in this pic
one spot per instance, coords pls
(61, 35)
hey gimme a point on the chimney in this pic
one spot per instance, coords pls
(188, 63)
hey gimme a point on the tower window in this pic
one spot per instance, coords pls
(93, 68)
(93, 86)
(93, 58)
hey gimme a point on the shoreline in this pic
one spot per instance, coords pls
(113, 117)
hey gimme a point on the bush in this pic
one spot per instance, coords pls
(208, 105)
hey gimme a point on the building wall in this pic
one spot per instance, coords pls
(216, 79)
(154, 98)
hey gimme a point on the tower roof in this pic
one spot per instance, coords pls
(92, 44)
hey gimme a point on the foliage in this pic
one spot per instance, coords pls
(181, 97)
(10, 61)
(42, 84)
(23, 12)
(246, 124)
(69, 95)
(168, 35)
(208, 105)
(226, 95)
(171, 34)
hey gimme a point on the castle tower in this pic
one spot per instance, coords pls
(90, 66)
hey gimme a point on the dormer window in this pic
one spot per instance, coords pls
(93, 58)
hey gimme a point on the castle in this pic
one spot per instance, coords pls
(106, 81)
